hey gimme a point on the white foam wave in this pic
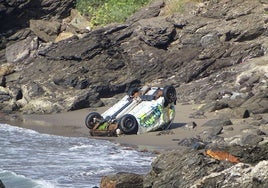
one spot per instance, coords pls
(51, 161)
(11, 179)
(79, 147)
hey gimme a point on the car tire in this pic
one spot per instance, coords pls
(128, 124)
(170, 94)
(90, 120)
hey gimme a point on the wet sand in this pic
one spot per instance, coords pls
(72, 124)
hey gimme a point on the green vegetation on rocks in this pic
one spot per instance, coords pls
(103, 12)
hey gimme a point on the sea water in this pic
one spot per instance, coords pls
(29, 159)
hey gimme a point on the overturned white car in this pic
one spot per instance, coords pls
(141, 110)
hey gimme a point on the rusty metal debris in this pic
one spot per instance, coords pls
(222, 155)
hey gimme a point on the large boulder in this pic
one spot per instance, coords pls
(241, 175)
(1, 184)
(121, 180)
(191, 168)
(22, 50)
(17, 13)
(45, 30)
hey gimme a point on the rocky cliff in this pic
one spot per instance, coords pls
(213, 52)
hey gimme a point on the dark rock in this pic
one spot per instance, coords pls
(209, 53)
(2, 81)
(218, 122)
(210, 39)
(115, 65)
(258, 103)
(214, 131)
(108, 90)
(83, 101)
(33, 90)
(18, 13)
(159, 34)
(45, 30)
(215, 105)
(236, 103)
(122, 180)
(250, 154)
(190, 167)
(251, 140)
(193, 143)
(22, 50)
(1, 184)
(149, 11)
(235, 113)
(179, 168)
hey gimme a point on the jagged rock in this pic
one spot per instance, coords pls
(252, 130)
(213, 53)
(241, 175)
(258, 103)
(22, 50)
(218, 122)
(78, 21)
(249, 154)
(150, 11)
(213, 131)
(251, 140)
(85, 100)
(194, 143)
(4, 94)
(213, 106)
(155, 32)
(191, 168)
(64, 36)
(237, 113)
(16, 13)
(6, 69)
(45, 30)
(121, 180)
(1, 184)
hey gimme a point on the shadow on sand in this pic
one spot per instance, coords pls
(177, 125)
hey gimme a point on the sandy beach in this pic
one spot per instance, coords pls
(72, 124)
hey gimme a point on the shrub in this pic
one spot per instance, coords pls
(102, 12)
(176, 6)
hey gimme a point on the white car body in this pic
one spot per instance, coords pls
(150, 114)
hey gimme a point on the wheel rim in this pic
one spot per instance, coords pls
(170, 94)
(91, 118)
(129, 123)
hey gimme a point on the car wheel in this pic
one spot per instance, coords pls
(170, 94)
(92, 119)
(128, 124)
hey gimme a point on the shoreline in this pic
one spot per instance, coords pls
(71, 124)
